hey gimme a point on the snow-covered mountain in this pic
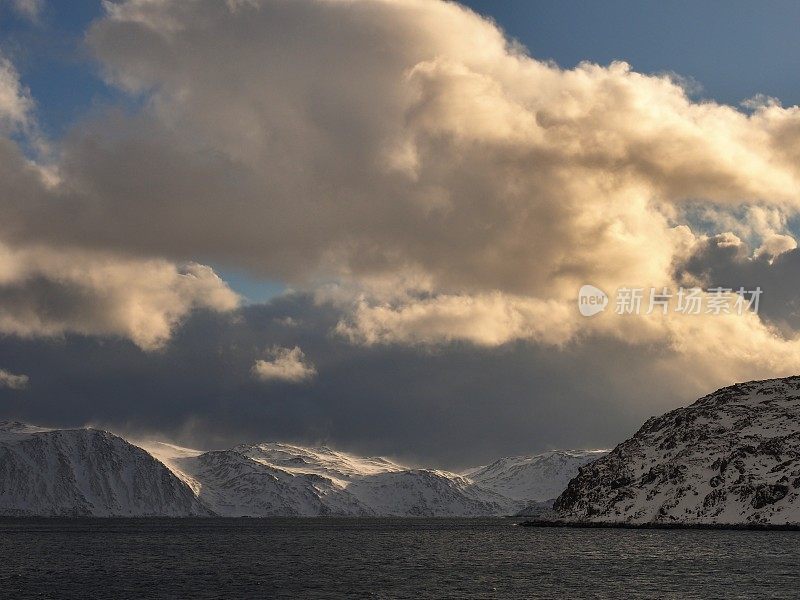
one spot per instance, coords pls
(283, 479)
(85, 472)
(89, 472)
(533, 478)
(732, 457)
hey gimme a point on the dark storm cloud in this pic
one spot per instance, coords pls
(454, 407)
(727, 262)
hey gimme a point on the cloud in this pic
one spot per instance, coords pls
(410, 137)
(15, 100)
(286, 364)
(12, 381)
(30, 9)
(486, 320)
(461, 406)
(776, 244)
(49, 288)
(427, 181)
(726, 260)
(456, 188)
(51, 291)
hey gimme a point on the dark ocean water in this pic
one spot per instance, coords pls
(386, 558)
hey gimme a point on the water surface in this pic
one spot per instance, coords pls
(386, 558)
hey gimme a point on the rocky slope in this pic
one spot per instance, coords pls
(85, 472)
(732, 457)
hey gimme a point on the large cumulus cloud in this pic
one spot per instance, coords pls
(413, 170)
(414, 155)
(365, 139)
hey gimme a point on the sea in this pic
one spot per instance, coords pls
(385, 558)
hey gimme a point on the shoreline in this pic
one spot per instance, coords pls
(612, 525)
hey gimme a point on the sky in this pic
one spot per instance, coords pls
(732, 50)
(366, 223)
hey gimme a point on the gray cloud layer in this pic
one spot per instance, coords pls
(454, 407)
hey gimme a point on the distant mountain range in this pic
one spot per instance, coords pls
(731, 458)
(87, 472)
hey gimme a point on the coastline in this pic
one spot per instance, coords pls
(651, 525)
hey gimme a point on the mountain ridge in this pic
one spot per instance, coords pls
(256, 480)
(730, 458)
(85, 472)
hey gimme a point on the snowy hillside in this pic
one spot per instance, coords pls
(732, 457)
(289, 480)
(533, 478)
(84, 472)
(95, 473)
